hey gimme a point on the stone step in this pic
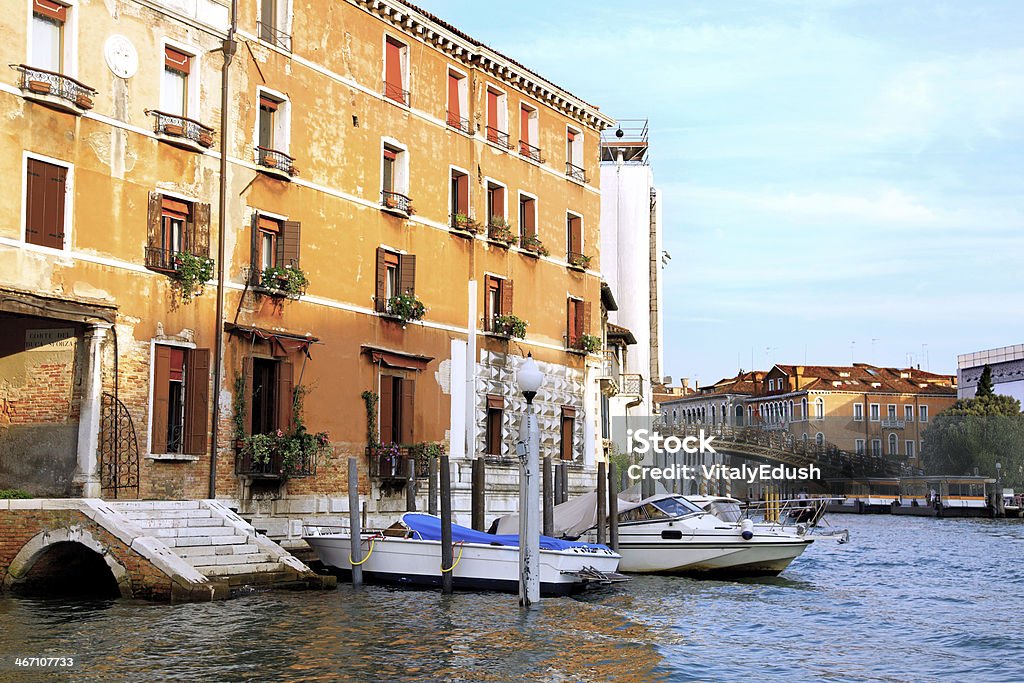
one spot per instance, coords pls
(197, 553)
(124, 506)
(161, 523)
(229, 569)
(205, 562)
(166, 514)
(179, 541)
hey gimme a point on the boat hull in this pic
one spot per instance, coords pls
(415, 562)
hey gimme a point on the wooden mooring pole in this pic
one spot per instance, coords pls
(549, 497)
(447, 557)
(410, 485)
(613, 509)
(565, 482)
(477, 501)
(432, 487)
(355, 537)
(602, 501)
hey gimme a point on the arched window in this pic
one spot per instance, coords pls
(894, 445)
(739, 416)
(819, 408)
(791, 409)
(803, 408)
(713, 415)
(819, 439)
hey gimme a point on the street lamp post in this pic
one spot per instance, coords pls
(529, 378)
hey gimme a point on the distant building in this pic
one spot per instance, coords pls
(858, 408)
(1006, 363)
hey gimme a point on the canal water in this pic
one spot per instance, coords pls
(906, 600)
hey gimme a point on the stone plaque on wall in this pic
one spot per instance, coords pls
(51, 339)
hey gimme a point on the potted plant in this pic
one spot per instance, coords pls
(192, 272)
(587, 343)
(580, 261)
(289, 281)
(509, 325)
(465, 222)
(406, 307)
(533, 244)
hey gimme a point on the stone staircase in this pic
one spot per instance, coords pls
(215, 541)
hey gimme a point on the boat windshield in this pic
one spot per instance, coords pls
(726, 511)
(676, 507)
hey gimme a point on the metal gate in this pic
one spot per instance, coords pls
(119, 451)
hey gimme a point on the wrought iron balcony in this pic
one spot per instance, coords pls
(893, 423)
(273, 35)
(304, 465)
(395, 202)
(182, 127)
(460, 124)
(55, 88)
(392, 462)
(530, 152)
(276, 161)
(498, 137)
(631, 384)
(395, 92)
(162, 259)
(577, 173)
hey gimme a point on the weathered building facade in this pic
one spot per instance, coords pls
(396, 214)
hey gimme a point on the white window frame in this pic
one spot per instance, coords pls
(804, 414)
(469, 188)
(153, 343)
(191, 81)
(908, 412)
(533, 126)
(876, 452)
(910, 448)
(463, 93)
(894, 444)
(819, 439)
(892, 412)
(503, 126)
(401, 179)
(70, 38)
(858, 446)
(819, 408)
(282, 120)
(69, 191)
(488, 181)
(583, 230)
(922, 413)
(405, 57)
(576, 156)
(771, 385)
(858, 412)
(536, 210)
(875, 412)
(282, 23)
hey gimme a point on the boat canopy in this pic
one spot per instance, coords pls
(429, 529)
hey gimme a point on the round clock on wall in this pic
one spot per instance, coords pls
(122, 59)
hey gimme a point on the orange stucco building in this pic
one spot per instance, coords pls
(380, 207)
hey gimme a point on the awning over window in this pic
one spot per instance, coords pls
(281, 342)
(396, 359)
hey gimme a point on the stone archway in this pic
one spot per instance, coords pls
(59, 549)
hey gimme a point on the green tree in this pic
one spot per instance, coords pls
(985, 388)
(977, 433)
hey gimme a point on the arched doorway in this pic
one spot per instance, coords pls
(67, 562)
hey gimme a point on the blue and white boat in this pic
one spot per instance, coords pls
(409, 553)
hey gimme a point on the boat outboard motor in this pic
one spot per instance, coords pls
(747, 529)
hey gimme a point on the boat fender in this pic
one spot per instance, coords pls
(747, 529)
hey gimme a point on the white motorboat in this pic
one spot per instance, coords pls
(409, 553)
(800, 516)
(667, 534)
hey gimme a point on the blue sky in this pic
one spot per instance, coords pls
(840, 179)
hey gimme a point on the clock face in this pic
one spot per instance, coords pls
(122, 59)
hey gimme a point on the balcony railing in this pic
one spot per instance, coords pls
(182, 127)
(395, 92)
(893, 423)
(498, 137)
(274, 36)
(530, 152)
(394, 201)
(162, 259)
(577, 173)
(304, 465)
(632, 384)
(389, 462)
(611, 365)
(459, 123)
(273, 159)
(43, 82)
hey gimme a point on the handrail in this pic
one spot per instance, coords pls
(164, 114)
(83, 86)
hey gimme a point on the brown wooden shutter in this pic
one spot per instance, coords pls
(408, 410)
(35, 201)
(462, 190)
(454, 110)
(585, 328)
(530, 218)
(254, 250)
(407, 273)
(387, 407)
(197, 401)
(161, 382)
(247, 398)
(492, 110)
(380, 293)
(200, 230)
(288, 244)
(567, 428)
(575, 235)
(153, 218)
(285, 396)
(570, 321)
(506, 297)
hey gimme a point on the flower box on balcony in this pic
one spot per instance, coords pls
(41, 87)
(534, 247)
(205, 139)
(579, 261)
(509, 325)
(585, 343)
(290, 281)
(84, 101)
(173, 129)
(406, 308)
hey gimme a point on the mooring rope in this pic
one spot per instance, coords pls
(457, 560)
